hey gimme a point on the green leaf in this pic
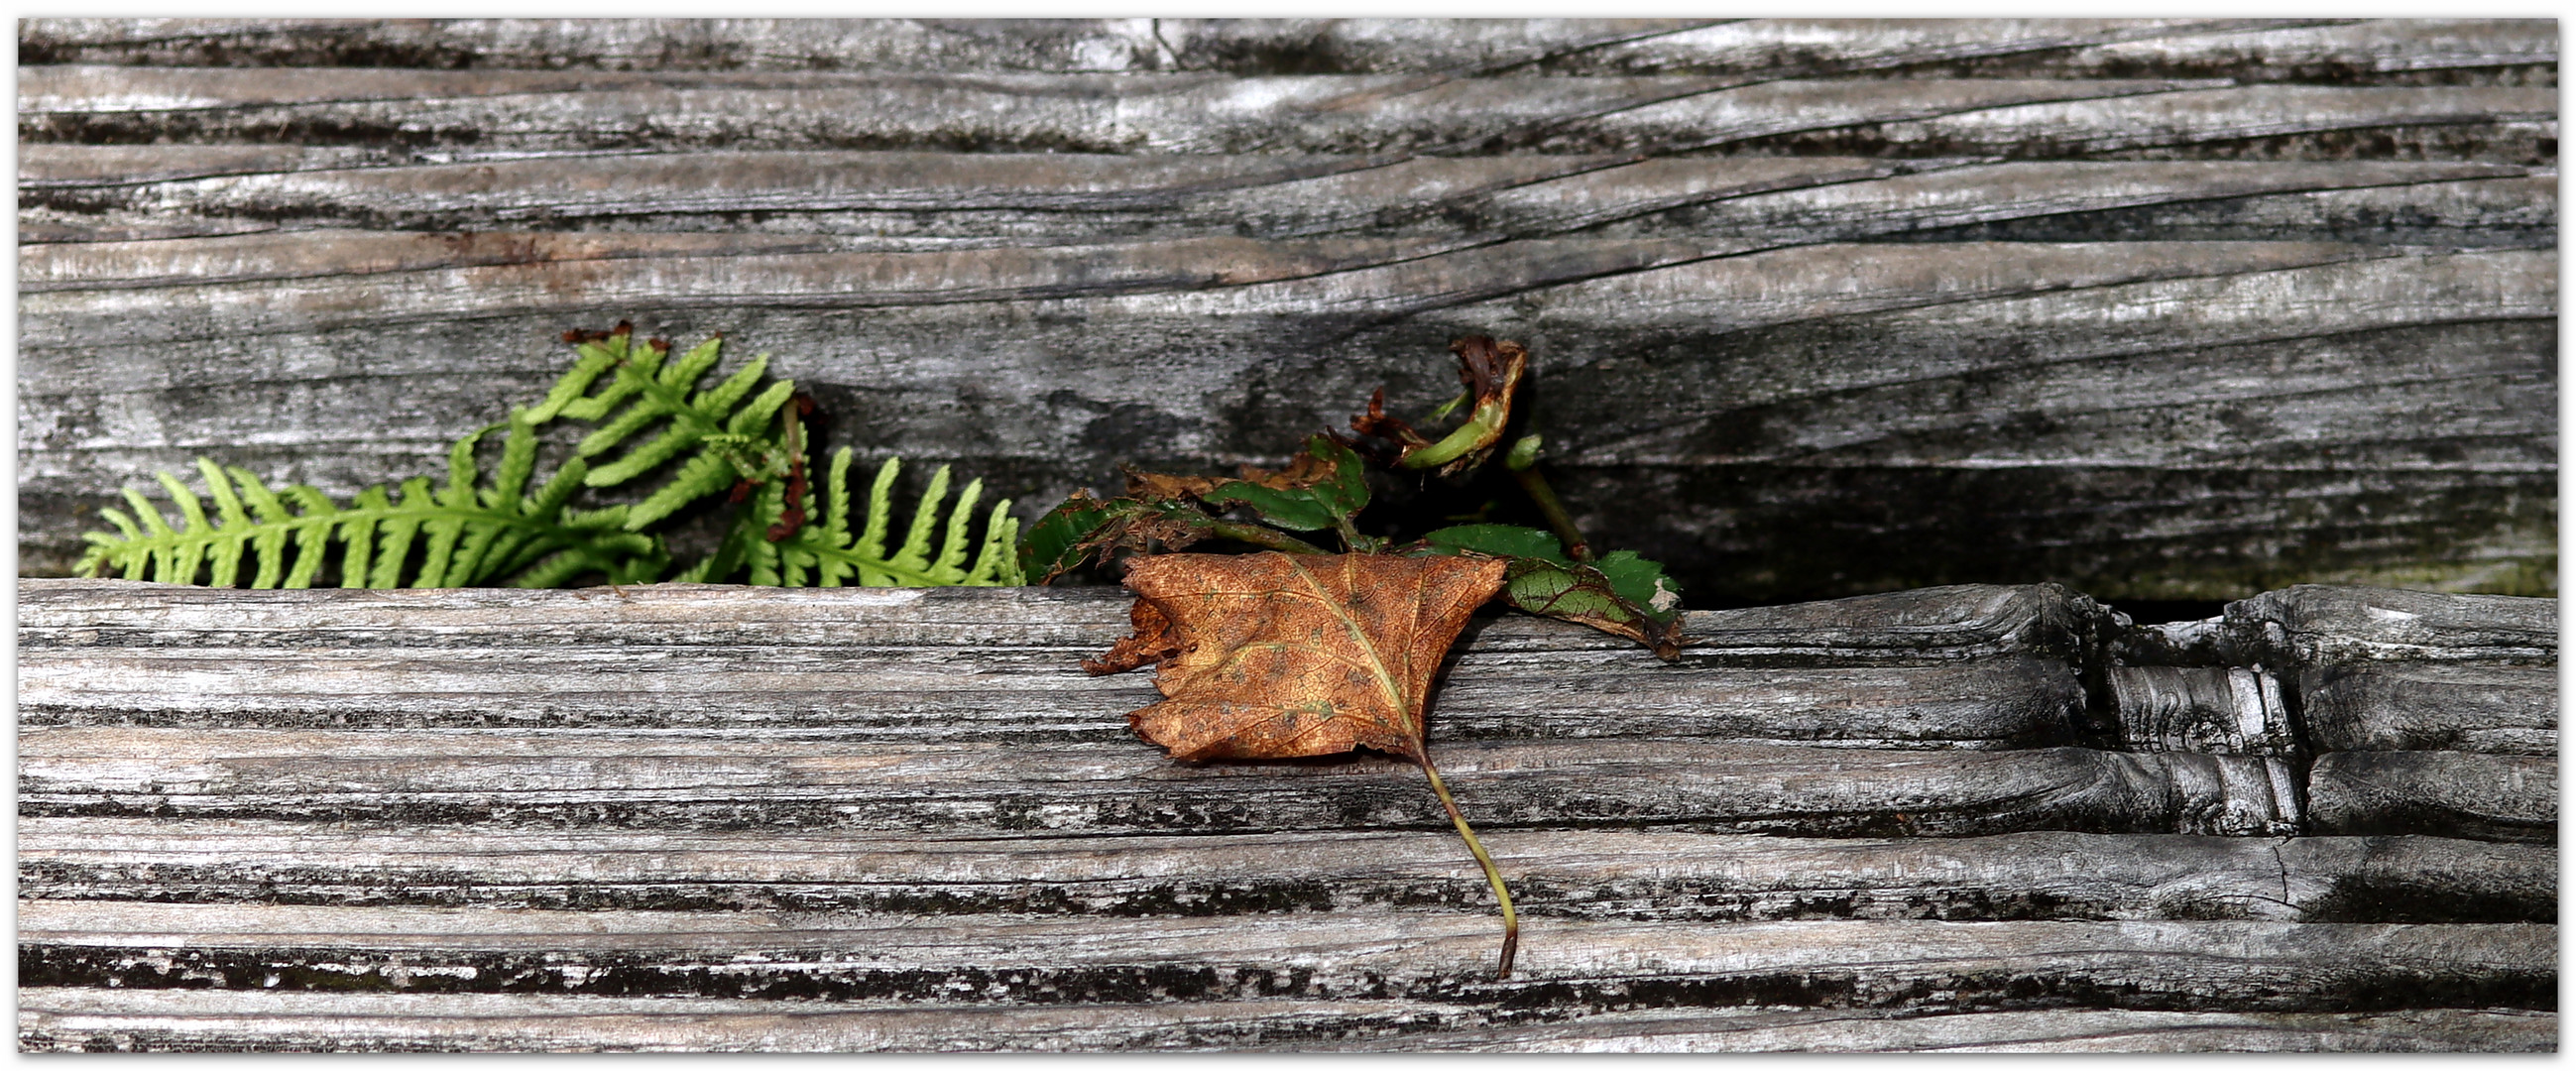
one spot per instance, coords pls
(1589, 595)
(1642, 583)
(1499, 540)
(1060, 541)
(1327, 503)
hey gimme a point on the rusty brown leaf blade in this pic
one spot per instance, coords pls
(1274, 656)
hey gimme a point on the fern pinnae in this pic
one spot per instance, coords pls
(271, 525)
(915, 554)
(997, 563)
(313, 530)
(953, 545)
(830, 572)
(872, 543)
(156, 530)
(185, 555)
(226, 549)
(358, 535)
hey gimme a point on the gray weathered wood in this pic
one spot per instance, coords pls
(1736, 1030)
(2499, 797)
(443, 798)
(1205, 288)
(2404, 707)
(65, 1019)
(2247, 966)
(2318, 626)
(2176, 309)
(102, 415)
(1927, 627)
(730, 779)
(2233, 711)
(1596, 874)
(2339, 50)
(896, 200)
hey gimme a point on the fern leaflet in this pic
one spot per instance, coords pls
(715, 427)
(468, 534)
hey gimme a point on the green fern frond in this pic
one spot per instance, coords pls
(716, 429)
(468, 533)
(826, 554)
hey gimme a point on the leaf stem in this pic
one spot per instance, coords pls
(1260, 536)
(1554, 511)
(1511, 919)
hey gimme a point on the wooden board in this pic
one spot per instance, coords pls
(854, 819)
(2168, 309)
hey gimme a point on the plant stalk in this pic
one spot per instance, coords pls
(1511, 919)
(1554, 510)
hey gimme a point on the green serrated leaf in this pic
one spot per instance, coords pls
(1585, 595)
(1499, 540)
(1326, 503)
(1057, 543)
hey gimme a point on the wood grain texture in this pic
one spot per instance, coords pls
(439, 829)
(2177, 965)
(1595, 874)
(2406, 707)
(2496, 797)
(2335, 50)
(2320, 626)
(92, 1020)
(1038, 249)
(2272, 351)
(2160, 309)
(894, 200)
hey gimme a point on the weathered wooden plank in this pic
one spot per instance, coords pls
(1993, 666)
(1928, 626)
(2372, 51)
(1746, 1030)
(2314, 626)
(2508, 125)
(1597, 874)
(899, 200)
(92, 1020)
(511, 112)
(723, 779)
(2400, 707)
(2342, 51)
(2236, 966)
(1231, 374)
(2497, 797)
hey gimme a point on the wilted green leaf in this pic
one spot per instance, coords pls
(1334, 486)
(1059, 542)
(1586, 595)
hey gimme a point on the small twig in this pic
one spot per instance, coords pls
(1523, 461)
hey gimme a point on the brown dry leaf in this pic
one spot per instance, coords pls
(1305, 470)
(1274, 656)
(1277, 656)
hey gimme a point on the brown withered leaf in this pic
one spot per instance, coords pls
(1275, 656)
(1303, 471)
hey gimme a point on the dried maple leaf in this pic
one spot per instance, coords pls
(1274, 656)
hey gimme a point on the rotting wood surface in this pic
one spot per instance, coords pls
(2177, 309)
(694, 817)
